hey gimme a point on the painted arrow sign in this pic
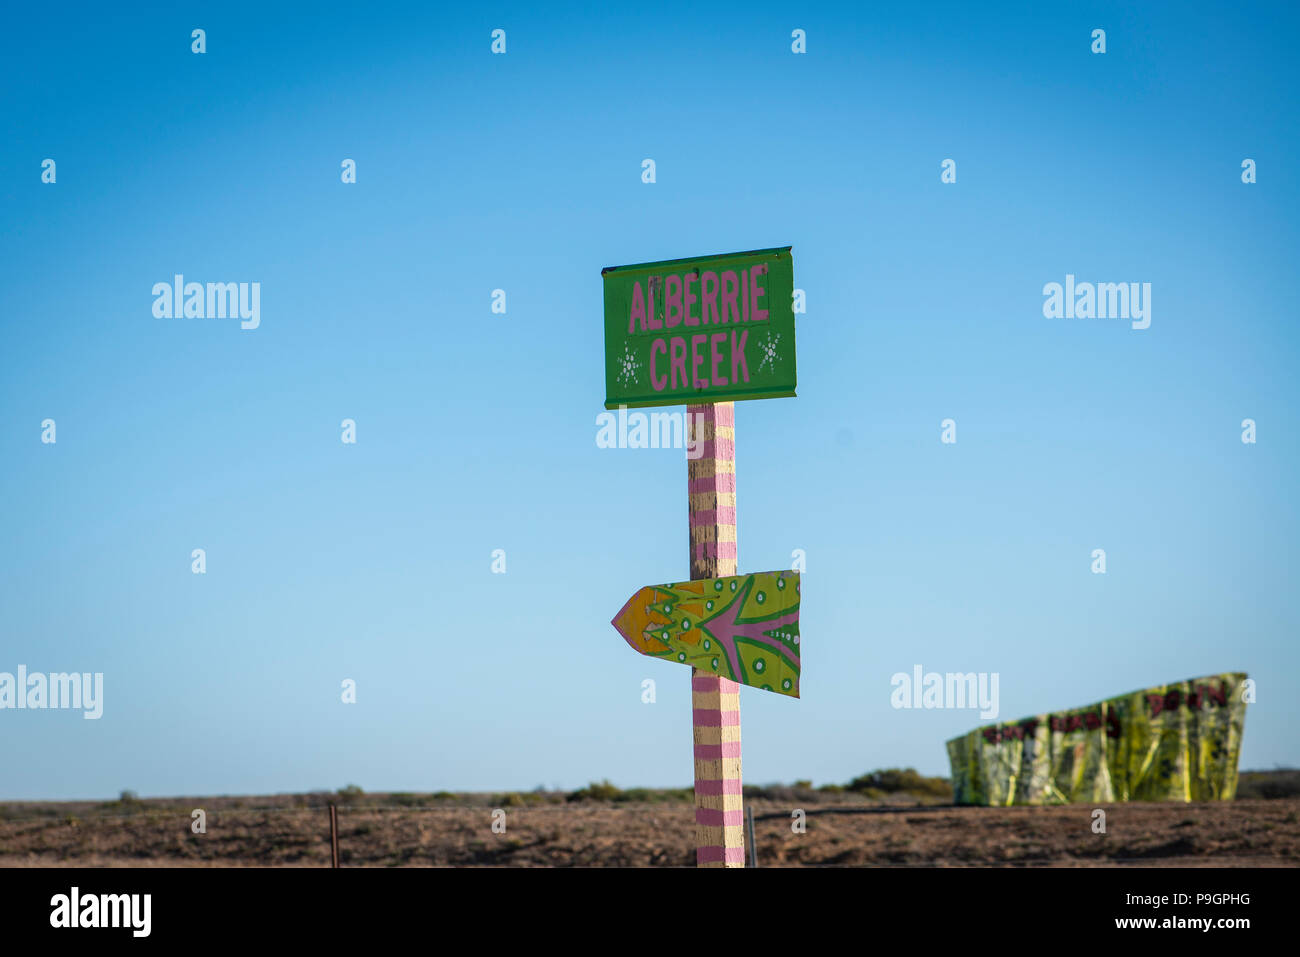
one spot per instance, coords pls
(744, 627)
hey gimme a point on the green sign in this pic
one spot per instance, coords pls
(708, 329)
(743, 627)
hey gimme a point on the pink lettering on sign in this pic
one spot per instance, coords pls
(730, 293)
(715, 357)
(758, 315)
(709, 297)
(706, 357)
(689, 298)
(652, 321)
(738, 356)
(657, 381)
(677, 359)
(697, 359)
(673, 301)
(638, 308)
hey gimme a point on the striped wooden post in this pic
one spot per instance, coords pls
(711, 487)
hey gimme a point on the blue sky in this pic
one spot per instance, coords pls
(476, 431)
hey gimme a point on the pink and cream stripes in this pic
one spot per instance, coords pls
(711, 485)
(719, 831)
(711, 478)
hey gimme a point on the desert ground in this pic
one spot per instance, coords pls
(605, 827)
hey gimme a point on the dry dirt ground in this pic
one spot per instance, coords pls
(293, 830)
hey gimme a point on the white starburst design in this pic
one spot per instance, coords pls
(768, 346)
(629, 367)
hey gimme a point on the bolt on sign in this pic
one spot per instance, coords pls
(705, 329)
